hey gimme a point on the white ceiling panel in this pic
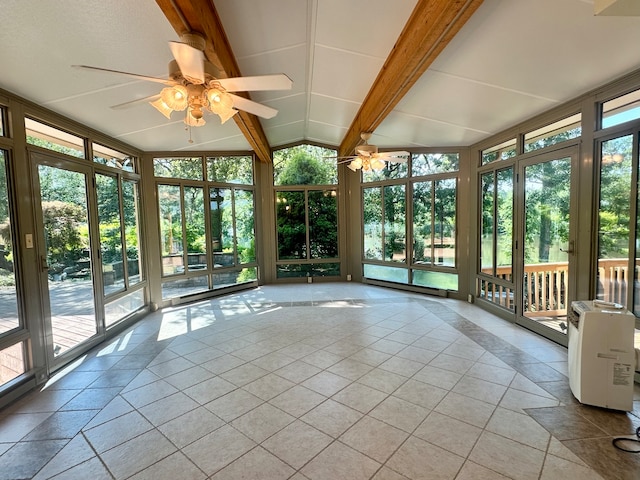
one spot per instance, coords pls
(512, 60)
(342, 74)
(255, 27)
(367, 27)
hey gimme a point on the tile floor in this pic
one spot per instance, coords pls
(322, 381)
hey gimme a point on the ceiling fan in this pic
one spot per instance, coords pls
(193, 86)
(368, 158)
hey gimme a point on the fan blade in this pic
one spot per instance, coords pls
(250, 106)
(190, 60)
(134, 75)
(253, 84)
(348, 160)
(133, 103)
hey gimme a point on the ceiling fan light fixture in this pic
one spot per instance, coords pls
(175, 97)
(162, 107)
(193, 118)
(226, 115)
(377, 164)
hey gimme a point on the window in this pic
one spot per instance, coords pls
(207, 229)
(113, 158)
(496, 236)
(384, 211)
(3, 122)
(187, 168)
(621, 109)
(503, 151)
(9, 315)
(306, 212)
(614, 219)
(554, 133)
(234, 169)
(52, 138)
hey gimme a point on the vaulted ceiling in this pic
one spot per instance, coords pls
(418, 73)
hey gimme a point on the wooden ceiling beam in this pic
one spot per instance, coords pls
(432, 25)
(201, 16)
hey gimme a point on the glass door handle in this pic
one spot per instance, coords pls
(44, 266)
(570, 249)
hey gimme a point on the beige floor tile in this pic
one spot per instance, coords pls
(170, 468)
(258, 463)
(298, 371)
(505, 456)
(227, 443)
(400, 413)
(473, 471)
(467, 409)
(191, 426)
(233, 404)
(117, 431)
(350, 368)
(360, 397)
(322, 359)
(137, 454)
(298, 400)
(168, 408)
(439, 377)
(262, 422)
(385, 473)
(419, 393)
(480, 389)
(268, 386)
(491, 373)
(244, 374)
(338, 461)
(555, 467)
(332, 418)
(417, 460)
(382, 380)
(519, 427)
(326, 383)
(374, 438)
(77, 451)
(446, 432)
(297, 443)
(517, 400)
(92, 468)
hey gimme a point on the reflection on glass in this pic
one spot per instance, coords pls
(195, 228)
(66, 228)
(504, 223)
(9, 318)
(181, 287)
(487, 223)
(422, 222)
(323, 223)
(220, 202)
(438, 280)
(170, 211)
(444, 227)
(299, 270)
(547, 188)
(291, 221)
(395, 223)
(245, 226)
(234, 169)
(430, 163)
(109, 221)
(391, 170)
(385, 273)
(372, 212)
(131, 208)
(614, 219)
(118, 309)
(189, 168)
(12, 362)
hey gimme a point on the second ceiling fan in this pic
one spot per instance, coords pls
(368, 158)
(193, 86)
